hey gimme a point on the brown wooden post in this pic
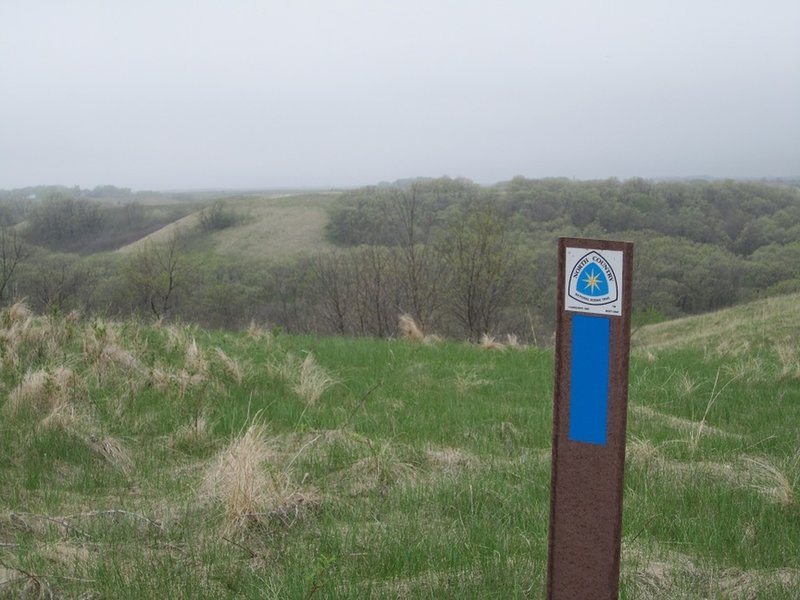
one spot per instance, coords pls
(589, 419)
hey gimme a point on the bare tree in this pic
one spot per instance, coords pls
(13, 251)
(481, 265)
(157, 271)
(418, 271)
(58, 281)
(335, 282)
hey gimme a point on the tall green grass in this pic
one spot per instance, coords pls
(412, 471)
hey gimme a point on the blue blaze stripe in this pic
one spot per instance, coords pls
(588, 389)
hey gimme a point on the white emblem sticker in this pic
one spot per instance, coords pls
(594, 281)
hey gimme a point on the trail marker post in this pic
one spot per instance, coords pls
(589, 418)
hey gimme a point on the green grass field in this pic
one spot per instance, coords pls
(275, 226)
(154, 462)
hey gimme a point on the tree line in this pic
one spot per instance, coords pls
(462, 259)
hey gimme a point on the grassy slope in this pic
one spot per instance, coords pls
(271, 226)
(422, 472)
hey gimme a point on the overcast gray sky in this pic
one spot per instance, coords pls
(171, 94)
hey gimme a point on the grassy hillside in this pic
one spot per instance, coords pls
(266, 227)
(770, 323)
(151, 462)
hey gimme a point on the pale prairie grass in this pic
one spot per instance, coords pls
(468, 379)
(452, 461)
(313, 380)
(176, 337)
(757, 583)
(116, 356)
(42, 390)
(231, 367)
(488, 342)
(409, 329)
(25, 338)
(65, 416)
(788, 359)
(67, 554)
(286, 368)
(238, 479)
(244, 481)
(685, 386)
(657, 573)
(187, 380)
(308, 379)
(512, 341)
(773, 481)
(716, 392)
(194, 360)
(191, 435)
(412, 332)
(111, 450)
(751, 370)
(258, 332)
(19, 311)
(161, 379)
(679, 423)
(377, 472)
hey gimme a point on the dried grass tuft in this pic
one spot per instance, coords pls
(308, 379)
(120, 358)
(512, 341)
(452, 461)
(243, 480)
(18, 312)
(788, 359)
(229, 365)
(112, 451)
(488, 342)
(409, 329)
(176, 337)
(196, 434)
(25, 340)
(771, 481)
(194, 360)
(680, 423)
(313, 380)
(257, 331)
(377, 472)
(42, 390)
(466, 380)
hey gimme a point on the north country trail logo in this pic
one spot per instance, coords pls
(593, 281)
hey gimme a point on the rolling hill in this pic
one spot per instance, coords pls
(267, 226)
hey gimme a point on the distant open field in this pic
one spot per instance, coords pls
(269, 226)
(152, 462)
